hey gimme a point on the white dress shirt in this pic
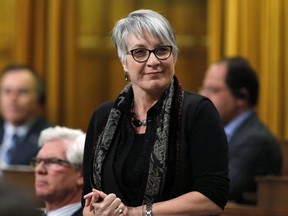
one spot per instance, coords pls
(10, 130)
(232, 126)
(67, 210)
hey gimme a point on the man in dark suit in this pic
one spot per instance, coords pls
(21, 97)
(232, 85)
(58, 170)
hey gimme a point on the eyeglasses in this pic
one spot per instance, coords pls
(49, 162)
(142, 54)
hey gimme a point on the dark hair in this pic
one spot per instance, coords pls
(240, 74)
(39, 83)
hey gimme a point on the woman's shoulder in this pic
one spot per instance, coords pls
(194, 103)
(194, 98)
(106, 106)
(102, 112)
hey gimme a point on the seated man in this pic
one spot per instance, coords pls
(233, 87)
(21, 97)
(58, 170)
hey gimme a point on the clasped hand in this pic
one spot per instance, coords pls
(99, 203)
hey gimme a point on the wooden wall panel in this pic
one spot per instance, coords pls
(102, 76)
(189, 21)
(64, 38)
(7, 31)
(69, 42)
(89, 88)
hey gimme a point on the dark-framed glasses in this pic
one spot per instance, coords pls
(142, 54)
(49, 162)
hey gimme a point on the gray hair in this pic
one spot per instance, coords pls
(76, 138)
(137, 23)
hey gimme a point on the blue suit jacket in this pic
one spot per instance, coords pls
(253, 151)
(28, 147)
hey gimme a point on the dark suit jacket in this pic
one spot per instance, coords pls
(76, 213)
(28, 147)
(253, 151)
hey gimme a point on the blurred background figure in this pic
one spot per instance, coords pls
(232, 85)
(21, 95)
(15, 201)
(58, 170)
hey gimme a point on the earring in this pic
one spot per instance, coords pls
(126, 77)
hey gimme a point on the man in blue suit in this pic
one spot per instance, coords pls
(232, 85)
(21, 97)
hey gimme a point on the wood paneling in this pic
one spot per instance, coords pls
(102, 76)
(257, 32)
(245, 210)
(271, 199)
(69, 43)
(22, 177)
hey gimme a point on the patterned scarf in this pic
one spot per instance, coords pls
(158, 158)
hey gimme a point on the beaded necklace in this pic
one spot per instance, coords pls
(136, 122)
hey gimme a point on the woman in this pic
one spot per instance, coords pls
(156, 149)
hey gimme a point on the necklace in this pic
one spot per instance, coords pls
(138, 123)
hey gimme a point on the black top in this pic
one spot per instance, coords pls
(134, 166)
(203, 157)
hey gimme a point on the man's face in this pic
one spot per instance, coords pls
(216, 89)
(18, 97)
(57, 182)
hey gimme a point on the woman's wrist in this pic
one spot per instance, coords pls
(137, 211)
(148, 209)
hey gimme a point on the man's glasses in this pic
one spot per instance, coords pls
(49, 162)
(142, 54)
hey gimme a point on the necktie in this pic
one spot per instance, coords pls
(13, 148)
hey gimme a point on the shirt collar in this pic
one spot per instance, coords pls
(231, 127)
(20, 130)
(65, 210)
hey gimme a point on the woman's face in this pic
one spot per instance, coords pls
(153, 75)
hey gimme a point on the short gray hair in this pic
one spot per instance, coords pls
(75, 151)
(138, 22)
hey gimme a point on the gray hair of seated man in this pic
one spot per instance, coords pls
(76, 138)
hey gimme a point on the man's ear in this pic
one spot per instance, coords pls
(243, 99)
(80, 180)
(242, 94)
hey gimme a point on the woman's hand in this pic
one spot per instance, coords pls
(99, 203)
(93, 197)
